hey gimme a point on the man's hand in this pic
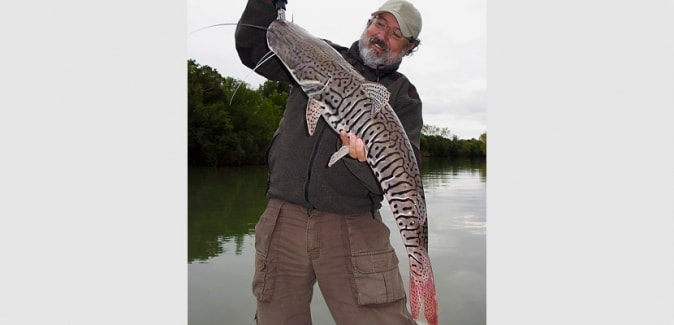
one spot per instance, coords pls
(280, 4)
(356, 146)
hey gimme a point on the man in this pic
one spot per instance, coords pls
(322, 224)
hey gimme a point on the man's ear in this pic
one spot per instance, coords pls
(411, 47)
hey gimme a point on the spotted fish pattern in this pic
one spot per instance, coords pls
(341, 96)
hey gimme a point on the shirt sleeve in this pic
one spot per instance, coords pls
(251, 42)
(408, 108)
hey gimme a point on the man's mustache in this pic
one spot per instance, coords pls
(378, 42)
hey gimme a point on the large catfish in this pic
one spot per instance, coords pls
(340, 95)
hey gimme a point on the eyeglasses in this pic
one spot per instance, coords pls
(380, 23)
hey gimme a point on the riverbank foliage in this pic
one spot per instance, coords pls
(229, 123)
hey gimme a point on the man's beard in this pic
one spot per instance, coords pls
(370, 56)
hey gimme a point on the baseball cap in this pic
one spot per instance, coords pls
(407, 16)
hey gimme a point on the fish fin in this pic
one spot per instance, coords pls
(314, 112)
(422, 291)
(378, 94)
(314, 87)
(339, 154)
(430, 298)
(415, 297)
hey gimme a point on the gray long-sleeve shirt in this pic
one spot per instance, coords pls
(298, 170)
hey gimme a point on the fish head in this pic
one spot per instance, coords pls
(311, 61)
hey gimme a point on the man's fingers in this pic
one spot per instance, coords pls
(352, 146)
(344, 137)
(360, 150)
(356, 145)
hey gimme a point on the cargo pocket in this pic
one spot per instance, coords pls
(263, 281)
(377, 278)
(262, 286)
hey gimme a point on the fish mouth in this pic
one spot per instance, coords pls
(279, 34)
(273, 37)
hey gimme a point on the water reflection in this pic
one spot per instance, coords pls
(451, 190)
(223, 206)
(225, 203)
(434, 170)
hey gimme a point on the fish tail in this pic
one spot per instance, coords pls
(430, 300)
(415, 297)
(422, 292)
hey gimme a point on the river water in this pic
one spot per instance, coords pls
(225, 203)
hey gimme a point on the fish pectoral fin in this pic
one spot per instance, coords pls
(313, 87)
(339, 154)
(378, 94)
(314, 111)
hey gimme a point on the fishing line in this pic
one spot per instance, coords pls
(229, 24)
(264, 59)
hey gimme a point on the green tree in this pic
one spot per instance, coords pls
(208, 120)
(228, 122)
(435, 143)
(483, 143)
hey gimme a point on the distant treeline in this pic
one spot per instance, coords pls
(232, 124)
(436, 142)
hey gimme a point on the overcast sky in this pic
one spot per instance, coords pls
(449, 69)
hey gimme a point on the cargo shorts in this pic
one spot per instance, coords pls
(349, 256)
